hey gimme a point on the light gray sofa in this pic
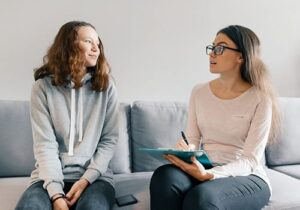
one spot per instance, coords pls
(144, 124)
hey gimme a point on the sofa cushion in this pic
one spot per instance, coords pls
(286, 149)
(11, 190)
(120, 162)
(137, 184)
(284, 197)
(284, 191)
(292, 170)
(155, 124)
(16, 153)
(16, 150)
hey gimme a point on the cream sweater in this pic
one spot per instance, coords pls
(233, 132)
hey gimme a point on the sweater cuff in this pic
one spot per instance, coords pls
(91, 175)
(216, 174)
(54, 188)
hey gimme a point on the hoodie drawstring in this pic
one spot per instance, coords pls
(80, 109)
(72, 124)
(73, 119)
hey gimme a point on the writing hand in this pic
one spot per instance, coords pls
(183, 146)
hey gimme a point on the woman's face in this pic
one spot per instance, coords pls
(88, 43)
(229, 60)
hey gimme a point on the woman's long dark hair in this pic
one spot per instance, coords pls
(254, 70)
(64, 61)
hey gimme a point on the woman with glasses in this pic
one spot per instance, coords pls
(232, 118)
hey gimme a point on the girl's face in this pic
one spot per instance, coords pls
(227, 61)
(88, 43)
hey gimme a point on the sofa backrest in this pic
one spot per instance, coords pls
(121, 161)
(16, 145)
(16, 155)
(145, 124)
(286, 150)
(155, 124)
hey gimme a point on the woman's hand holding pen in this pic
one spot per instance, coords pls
(183, 146)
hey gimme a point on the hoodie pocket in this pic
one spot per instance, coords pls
(69, 161)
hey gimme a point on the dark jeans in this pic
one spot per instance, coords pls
(98, 196)
(173, 189)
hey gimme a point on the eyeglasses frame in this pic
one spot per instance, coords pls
(211, 47)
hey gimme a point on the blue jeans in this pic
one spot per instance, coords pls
(173, 189)
(98, 196)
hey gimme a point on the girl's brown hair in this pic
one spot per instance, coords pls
(65, 62)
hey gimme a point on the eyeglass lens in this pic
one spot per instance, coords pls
(217, 50)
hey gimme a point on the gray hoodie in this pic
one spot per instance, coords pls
(74, 133)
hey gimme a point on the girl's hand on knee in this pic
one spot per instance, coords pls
(76, 191)
(60, 204)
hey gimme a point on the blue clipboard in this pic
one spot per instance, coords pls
(182, 154)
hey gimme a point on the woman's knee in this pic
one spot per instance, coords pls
(201, 198)
(170, 180)
(167, 187)
(166, 169)
(164, 176)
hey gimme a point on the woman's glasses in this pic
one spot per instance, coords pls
(218, 49)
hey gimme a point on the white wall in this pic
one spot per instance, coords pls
(156, 48)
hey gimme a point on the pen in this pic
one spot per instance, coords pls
(184, 138)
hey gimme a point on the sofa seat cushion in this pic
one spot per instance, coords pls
(292, 170)
(11, 190)
(285, 188)
(285, 191)
(137, 184)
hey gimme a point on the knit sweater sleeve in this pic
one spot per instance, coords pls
(254, 146)
(44, 141)
(192, 129)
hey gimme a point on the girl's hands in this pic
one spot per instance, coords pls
(195, 169)
(60, 204)
(76, 191)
